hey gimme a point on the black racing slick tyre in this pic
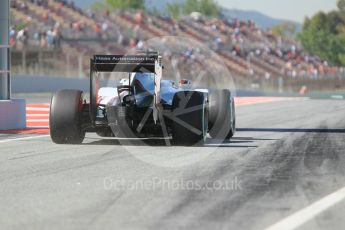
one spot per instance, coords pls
(189, 118)
(222, 117)
(66, 117)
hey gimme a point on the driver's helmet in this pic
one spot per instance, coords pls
(185, 84)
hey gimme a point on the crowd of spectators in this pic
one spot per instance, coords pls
(243, 40)
(50, 38)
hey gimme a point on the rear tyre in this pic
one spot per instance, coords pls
(66, 117)
(190, 122)
(222, 118)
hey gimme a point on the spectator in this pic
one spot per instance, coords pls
(43, 41)
(23, 36)
(12, 36)
(50, 38)
(105, 27)
(57, 38)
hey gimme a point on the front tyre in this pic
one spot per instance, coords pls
(65, 118)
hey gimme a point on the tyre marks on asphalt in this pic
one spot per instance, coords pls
(317, 174)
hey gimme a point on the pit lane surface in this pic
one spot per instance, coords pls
(285, 156)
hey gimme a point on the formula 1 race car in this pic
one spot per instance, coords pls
(143, 106)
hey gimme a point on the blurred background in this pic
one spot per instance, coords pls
(56, 38)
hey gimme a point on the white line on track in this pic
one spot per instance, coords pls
(37, 127)
(39, 105)
(36, 109)
(299, 218)
(23, 138)
(37, 115)
(38, 120)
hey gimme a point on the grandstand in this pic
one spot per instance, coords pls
(65, 35)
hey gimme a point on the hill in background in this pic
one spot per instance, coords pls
(260, 19)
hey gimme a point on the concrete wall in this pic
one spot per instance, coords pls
(4, 50)
(37, 84)
(12, 114)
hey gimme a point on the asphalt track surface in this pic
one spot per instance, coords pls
(284, 157)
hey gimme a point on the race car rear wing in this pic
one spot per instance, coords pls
(118, 63)
(148, 62)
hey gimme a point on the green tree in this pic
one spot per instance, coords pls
(341, 5)
(174, 10)
(285, 29)
(327, 46)
(209, 8)
(121, 4)
(190, 6)
(324, 35)
(206, 7)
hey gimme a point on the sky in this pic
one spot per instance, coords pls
(294, 10)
